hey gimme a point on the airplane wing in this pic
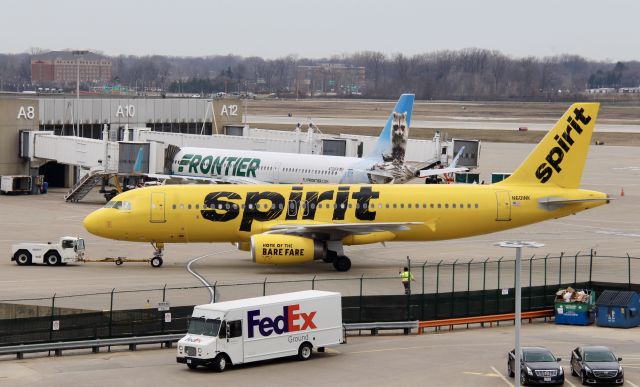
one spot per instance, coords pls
(340, 228)
(212, 180)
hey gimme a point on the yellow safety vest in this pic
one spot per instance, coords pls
(406, 276)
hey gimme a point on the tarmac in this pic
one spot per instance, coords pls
(612, 229)
(462, 358)
(465, 357)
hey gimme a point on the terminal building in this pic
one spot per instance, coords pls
(64, 139)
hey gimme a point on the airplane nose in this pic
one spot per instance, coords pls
(90, 223)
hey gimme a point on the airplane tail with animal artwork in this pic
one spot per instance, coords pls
(392, 143)
(559, 159)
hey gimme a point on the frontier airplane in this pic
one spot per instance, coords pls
(288, 224)
(384, 164)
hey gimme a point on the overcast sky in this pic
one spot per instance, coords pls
(596, 29)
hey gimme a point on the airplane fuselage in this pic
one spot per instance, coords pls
(233, 213)
(271, 167)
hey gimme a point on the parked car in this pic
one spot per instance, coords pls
(596, 365)
(537, 366)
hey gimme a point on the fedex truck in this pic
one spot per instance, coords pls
(261, 328)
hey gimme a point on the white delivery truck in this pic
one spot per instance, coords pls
(68, 249)
(261, 328)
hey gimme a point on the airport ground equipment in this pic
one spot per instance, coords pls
(68, 249)
(618, 309)
(261, 328)
(15, 184)
(164, 340)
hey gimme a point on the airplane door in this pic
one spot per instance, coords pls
(276, 172)
(157, 208)
(504, 206)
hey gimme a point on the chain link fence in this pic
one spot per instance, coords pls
(440, 290)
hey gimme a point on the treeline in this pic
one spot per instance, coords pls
(463, 74)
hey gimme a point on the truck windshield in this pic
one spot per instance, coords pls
(68, 244)
(205, 327)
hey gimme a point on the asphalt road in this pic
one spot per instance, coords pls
(474, 357)
(509, 124)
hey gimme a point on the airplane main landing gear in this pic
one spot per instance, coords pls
(342, 263)
(158, 247)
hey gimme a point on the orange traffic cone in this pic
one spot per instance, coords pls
(622, 193)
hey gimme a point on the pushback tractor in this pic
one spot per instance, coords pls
(68, 249)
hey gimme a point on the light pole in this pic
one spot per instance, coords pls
(78, 54)
(518, 245)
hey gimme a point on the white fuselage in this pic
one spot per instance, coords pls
(271, 167)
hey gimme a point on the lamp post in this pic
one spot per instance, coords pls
(78, 54)
(518, 245)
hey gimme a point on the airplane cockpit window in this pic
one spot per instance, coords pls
(122, 206)
(109, 204)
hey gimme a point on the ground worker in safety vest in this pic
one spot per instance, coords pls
(406, 277)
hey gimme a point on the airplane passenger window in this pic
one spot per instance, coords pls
(173, 206)
(379, 205)
(453, 205)
(273, 206)
(280, 206)
(461, 205)
(401, 205)
(446, 205)
(219, 206)
(251, 206)
(313, 205)
(181, 206)
(395, 205)
(431, 205)
(424, 205)
(226, 206)
(235, 206)
(341, 205)
(476, 205)
(409, 205)
(439, 205)
(349, 205)
(189, 206)
(468, 205)
(197, 206)
(387, 205)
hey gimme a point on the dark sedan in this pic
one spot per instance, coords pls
(596, 365)
(537, 366)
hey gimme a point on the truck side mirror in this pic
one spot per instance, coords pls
(558, 359)
(619, 359)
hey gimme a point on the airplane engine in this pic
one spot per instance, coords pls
(285, 249)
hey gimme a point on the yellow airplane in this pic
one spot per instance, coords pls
(286, 224)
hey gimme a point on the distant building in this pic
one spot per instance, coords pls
(60, 68)
(330, 79)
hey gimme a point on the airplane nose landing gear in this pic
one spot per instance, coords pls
(158, 247)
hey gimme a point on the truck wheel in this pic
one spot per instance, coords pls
(304, 352)
(220, 363)
(52, 258)
(156, 261)
(119, 261)
(22, 257)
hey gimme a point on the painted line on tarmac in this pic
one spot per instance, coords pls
(201, 278)
(630, 383)
(569, 382)
(504, 378)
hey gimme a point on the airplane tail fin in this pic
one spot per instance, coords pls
(392, 143)
(137, 167)
(560, 157)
